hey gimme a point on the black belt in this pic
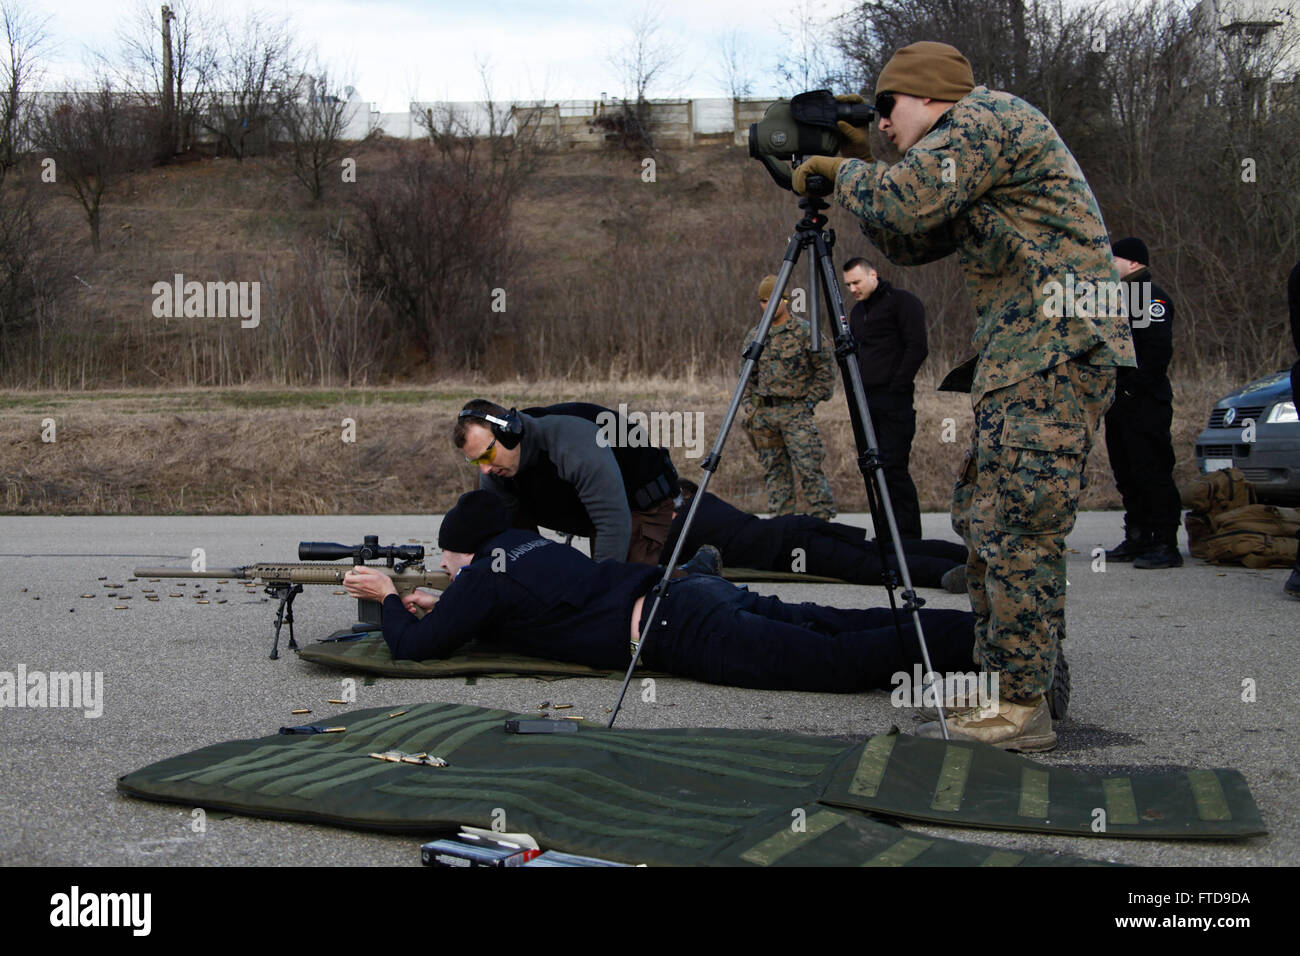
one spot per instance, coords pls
(770, 400)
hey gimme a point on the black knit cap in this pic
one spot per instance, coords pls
(1133, 249)
(477, 516)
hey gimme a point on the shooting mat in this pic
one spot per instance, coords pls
(369, 654)
(915, 778)
(683, 796)
(743, 575)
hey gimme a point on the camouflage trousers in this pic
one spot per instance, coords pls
(1014, 503)
(797, 450)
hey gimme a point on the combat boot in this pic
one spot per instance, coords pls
(954, 580)
(1058, 695)
(1162, 552)
(1292, 586)
(1136, 543)
(1025, 727)
(707, 560)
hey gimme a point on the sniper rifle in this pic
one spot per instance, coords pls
(284, 581)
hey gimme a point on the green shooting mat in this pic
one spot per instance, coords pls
(915, 778)
(680, 796)
(818, 835)
(742, 575)
(369, 654)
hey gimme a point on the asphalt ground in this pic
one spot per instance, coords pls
(1161, 661)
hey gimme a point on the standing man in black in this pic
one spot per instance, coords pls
(889, 327)
(1138, 423)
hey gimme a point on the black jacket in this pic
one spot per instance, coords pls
(1153, 340)
(528, 595)
(1293, 301)
(889, 327)
(573, 480)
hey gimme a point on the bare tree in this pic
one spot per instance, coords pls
(95, 138)
(436, 236)
(314, 114)
(645, 56)
(641, 62)
(1204, 167)
(24, 37)
(170, 67)
(735, 65)
(1046, 51)
(495, 143)
(255, 66)
(814, 60)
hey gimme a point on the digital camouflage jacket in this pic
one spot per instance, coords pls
(787, 369)
(993, 182)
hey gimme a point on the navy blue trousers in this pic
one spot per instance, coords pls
(710, 630)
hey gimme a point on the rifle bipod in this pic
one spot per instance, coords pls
(284, 613)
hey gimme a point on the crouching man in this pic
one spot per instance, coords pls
(525, 594)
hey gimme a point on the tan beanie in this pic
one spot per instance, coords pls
(765, 288)
(936, 70)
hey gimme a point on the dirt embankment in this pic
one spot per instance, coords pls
(316, 451)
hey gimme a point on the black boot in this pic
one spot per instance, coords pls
(1162, 551)
(1292, 586)
(1136, 543)
(707, 560)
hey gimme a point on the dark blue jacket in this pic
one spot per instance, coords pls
(526, 594)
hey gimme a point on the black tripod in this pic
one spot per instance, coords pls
(811, 231)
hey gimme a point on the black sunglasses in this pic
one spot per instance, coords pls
(885, 104)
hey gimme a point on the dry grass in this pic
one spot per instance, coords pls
(260, 451)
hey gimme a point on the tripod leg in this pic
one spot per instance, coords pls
(710, 464)
(864, 435)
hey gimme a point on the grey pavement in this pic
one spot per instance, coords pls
(1161, 661)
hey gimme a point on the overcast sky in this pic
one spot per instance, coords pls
(399, 50)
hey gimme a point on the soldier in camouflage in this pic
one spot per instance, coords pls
(985, 175)
(788, 380)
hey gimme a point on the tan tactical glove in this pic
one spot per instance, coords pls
(828, 166)
(856, 144)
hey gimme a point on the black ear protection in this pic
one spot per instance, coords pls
(509, 431)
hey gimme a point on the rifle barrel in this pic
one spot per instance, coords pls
(299, 573)
(189, 573)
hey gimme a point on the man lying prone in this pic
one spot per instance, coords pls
(806, 543)
(525, 594)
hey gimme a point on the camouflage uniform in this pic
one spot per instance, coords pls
(783, 433)
(993, 182)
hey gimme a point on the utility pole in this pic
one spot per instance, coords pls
(168, 83)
